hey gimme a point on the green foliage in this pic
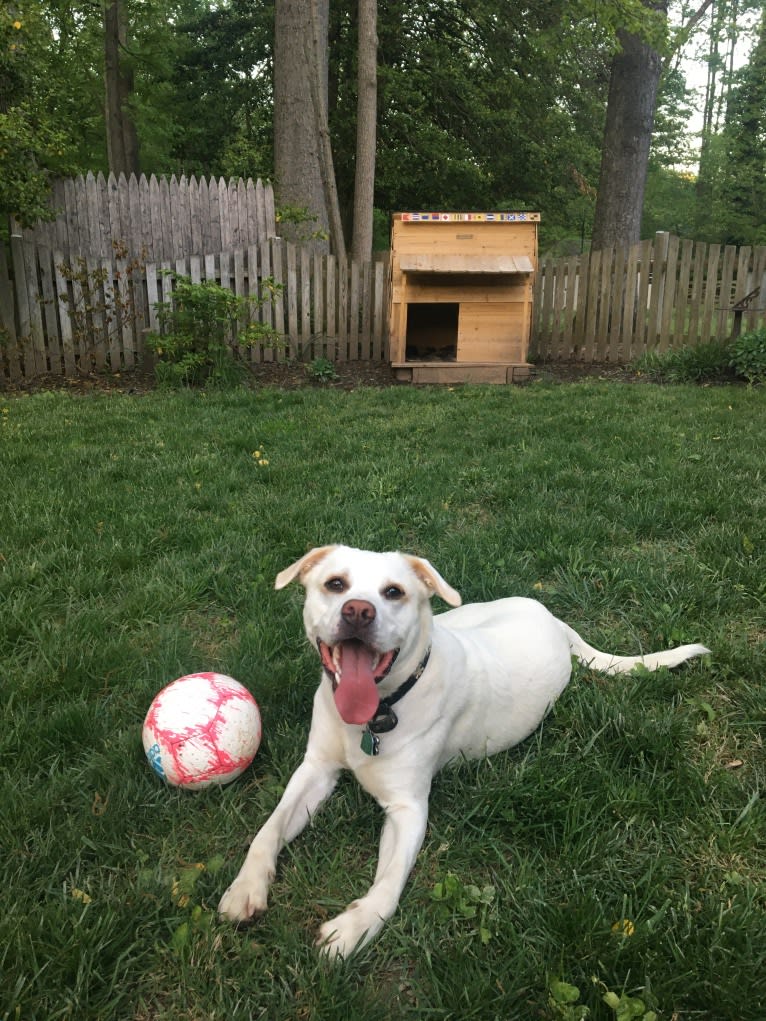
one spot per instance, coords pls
(456, 901)
(33, 145)
(747, 356)
(203, 327)
(564, 1005)
(563, 1002)
(694, 364)
(322, 370)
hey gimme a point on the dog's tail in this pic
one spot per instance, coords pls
(611, 664)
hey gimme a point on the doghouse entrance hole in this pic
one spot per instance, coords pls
(432, 331)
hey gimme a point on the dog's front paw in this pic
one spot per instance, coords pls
(342, 936)
(244, 900)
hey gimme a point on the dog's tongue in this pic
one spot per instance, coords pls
(356, 695)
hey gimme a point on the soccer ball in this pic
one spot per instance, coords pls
(202, 729)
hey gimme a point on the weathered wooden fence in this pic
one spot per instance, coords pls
(155, 218)
(65, 310)
(66, 315)
(662, 293)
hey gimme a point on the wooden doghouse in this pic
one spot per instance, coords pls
(461, 295)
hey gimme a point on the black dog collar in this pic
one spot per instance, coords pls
(385, 719)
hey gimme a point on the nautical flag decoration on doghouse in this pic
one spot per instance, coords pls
(461, 294)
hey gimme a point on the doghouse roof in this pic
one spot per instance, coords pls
(430, 262)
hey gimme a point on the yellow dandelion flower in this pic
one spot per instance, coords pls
(17, 25)
(624, 927)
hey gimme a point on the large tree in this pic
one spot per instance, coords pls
(633, 84)
(366, 129)
(121, 135)
(300, 105)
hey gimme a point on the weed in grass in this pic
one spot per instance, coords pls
(140, 540)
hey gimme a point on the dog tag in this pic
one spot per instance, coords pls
(370, 742)
(384, 720)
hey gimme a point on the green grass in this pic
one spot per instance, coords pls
(139, 540)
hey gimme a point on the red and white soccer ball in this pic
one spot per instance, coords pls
(202, 729)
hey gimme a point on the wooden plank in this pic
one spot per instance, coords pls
(50, 319)
(73, 246)
(600, 339)
(590, 318)
(195, 233)
(342, 350)
(94, 290)
(365, 301)
(153, 295)
(65, 322)
(35, 297)
(195, 269)
(9, 351)
(568, 295)
(668, 297)
(206, 238)
(542, 303)
(124, 304)
(481, 262)
(7, 303)
(22, 288)
(278, 273)
(710, 295)
(613, 328)
(726, 294)
(643, 292)
(266, 311)
(252, 215)
(677, 335)
(291, 285)
(240, 289)
(271, 217)
(656, 290)
(353, 312)
(251, 259)
(260, 212)
(331, 345)
(318, 305)
(112, 317)
(753, 320)
(307, 339)
(696, 292)
(379, 307)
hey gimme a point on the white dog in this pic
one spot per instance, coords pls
(402, 693)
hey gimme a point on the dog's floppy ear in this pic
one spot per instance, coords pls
(433, 581)
(300, 567)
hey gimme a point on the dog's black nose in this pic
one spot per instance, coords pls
(358, 613)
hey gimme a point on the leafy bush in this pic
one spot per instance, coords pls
(699, 364)
(747, 356)
(198, 328)
(321, 370)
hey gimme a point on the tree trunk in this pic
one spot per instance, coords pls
(366, 129)
(121, 137)
(296, 138)
(633, 87)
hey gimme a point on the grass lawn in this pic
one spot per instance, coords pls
(622, 848)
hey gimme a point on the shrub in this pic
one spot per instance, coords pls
(198, 326)
(698, 364)
(321, 370)
(747, 356)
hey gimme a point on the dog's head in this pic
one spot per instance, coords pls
(368, 614)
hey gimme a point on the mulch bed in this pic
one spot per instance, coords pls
(292, 375)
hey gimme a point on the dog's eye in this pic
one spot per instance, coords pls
(335, 585)
(393, 592)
